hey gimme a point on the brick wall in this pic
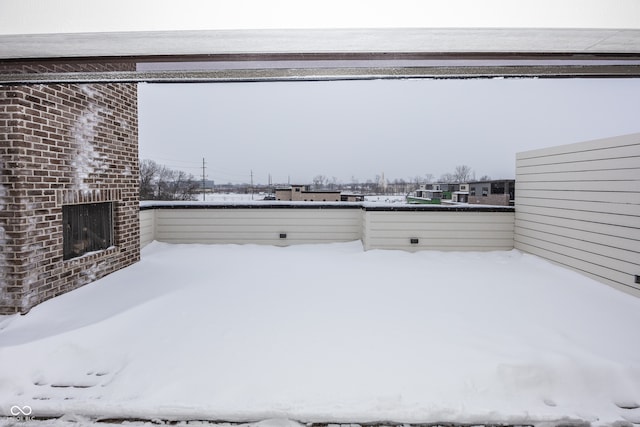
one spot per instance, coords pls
(63, 144)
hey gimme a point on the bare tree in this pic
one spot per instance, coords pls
(182, 186)
(333, 183)
(148, 173)
(462, 173)
(158, 182)
(319, 181)
(447, 178)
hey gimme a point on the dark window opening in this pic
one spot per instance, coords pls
(87, 228)
(498, 188)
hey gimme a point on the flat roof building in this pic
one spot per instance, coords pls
(301, 193)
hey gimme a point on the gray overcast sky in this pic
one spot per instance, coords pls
(360, 129)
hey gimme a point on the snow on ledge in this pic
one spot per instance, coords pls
(271, 204)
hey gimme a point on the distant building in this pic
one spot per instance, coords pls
(441, 192)
(207, 184)
(301, 193)
(445, 187)
(351, 197)
(461, 195)
(426, 193)
(495, 192)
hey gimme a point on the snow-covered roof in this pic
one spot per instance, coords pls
(190, 332)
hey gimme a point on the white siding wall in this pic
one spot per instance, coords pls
(438, 230)
(579, 205)
(147, 227)
(260, 226)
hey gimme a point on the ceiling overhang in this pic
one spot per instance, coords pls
(327, 41)
(329, 54)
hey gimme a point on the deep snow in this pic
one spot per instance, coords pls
(329, 333)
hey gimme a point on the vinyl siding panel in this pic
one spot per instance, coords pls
(590, 166)
(617, 187)
(436, 230)
(445, 231)
(147, 227)
(259, 226)
(621, 198)
(579, 205)
(602, 274)
(592, 176)
(614, 213)
(577, 154)
(603, 233)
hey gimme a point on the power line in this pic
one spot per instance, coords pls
(191, 162)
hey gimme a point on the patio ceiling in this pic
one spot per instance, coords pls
(340, 42)
(347, 42)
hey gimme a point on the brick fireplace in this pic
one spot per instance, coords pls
(68, 189)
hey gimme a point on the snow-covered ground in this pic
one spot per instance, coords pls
(327, 333)
(230, 197)
(237, 198)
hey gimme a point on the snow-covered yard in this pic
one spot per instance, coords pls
(329, 333)
(244, 198)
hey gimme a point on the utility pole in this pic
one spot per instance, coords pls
(251, 184)
(203, 182)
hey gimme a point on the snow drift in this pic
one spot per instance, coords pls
(329, 333)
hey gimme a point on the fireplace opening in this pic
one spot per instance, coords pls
(88, 227)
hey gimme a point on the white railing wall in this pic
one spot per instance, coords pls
(437, 228)
(270, 226)
(579, 205)
(452, 230)
(147, 227)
